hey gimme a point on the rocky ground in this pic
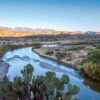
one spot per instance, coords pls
(3, 69)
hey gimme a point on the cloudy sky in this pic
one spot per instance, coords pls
(69, 15)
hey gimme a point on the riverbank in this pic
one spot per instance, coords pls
(74, 63)
(69, 55)
(3, 69)
(54, 59)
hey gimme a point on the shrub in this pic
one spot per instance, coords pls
(3, 49)
(76, 48)
(92, 70)
(36, 46)
(60, 55)
(49, 53)
(98, 46)
(91, 65)
(93, 57)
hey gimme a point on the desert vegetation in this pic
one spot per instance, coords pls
(49, 53)
(36, 46)
(98, 46)
(60, 55)
(29, 87)
(3, 49)
(91, 65)
(82, 43)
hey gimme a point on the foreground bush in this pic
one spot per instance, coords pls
(92, 70)
(47, 87)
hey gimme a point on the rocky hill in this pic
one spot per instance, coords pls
(23, 31)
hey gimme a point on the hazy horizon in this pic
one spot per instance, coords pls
(61, 15)
(21, 27)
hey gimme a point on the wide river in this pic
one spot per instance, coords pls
(18, 58)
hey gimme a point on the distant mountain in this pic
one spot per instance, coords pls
(25, 31)
(21, 31)
(28, 29)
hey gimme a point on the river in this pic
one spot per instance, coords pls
(18, 58)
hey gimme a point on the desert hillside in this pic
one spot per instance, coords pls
(20, 32)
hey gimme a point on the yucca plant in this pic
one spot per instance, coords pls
(47, 87)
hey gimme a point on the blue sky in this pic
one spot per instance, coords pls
(67, 15)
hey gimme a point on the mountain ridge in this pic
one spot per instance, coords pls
(27, 31)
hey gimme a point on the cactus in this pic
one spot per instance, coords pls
(47, 87)
(73, 89)
(27, 73)
(65, 79)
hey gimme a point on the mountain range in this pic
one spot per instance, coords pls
(25, 31)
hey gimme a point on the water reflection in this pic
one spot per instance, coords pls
(94, 85)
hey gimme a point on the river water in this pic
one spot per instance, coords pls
(18, 58)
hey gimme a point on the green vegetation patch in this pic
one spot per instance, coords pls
(92, 70)
(36, 46)
(91, 65)
(76, 48)
(60, 55)
(49, 53)
(93, 57)
(98, 46)
(3, 49)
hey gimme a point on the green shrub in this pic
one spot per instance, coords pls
(92, 70)
(91, 65)
(60, 55)
(49, 53)
(93, 57)
(76, 48)
(36, 46)
(3, 49)
(98, 46)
